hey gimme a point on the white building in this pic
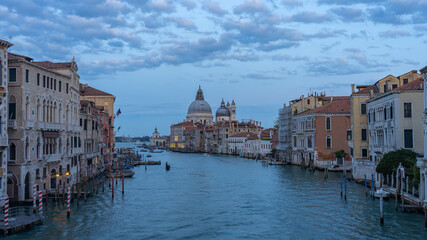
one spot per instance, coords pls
(285, 142)
(236, 143)
(4, 46)
(43, 124)
(394, 121)
(422, 162)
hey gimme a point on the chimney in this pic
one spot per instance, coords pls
(371, 93)
(302, 103)
(352, 88)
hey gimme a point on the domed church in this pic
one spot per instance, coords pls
(226, 112)
(199, 110)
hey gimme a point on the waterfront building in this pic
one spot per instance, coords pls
(91, 142)
(358, 139)
(395, 121)
(4, 72)
(156, 140)
(422, 161)
(199, 110)
(319, 132)
(236, 143)
(105, 101)
(285, 145)
(43, 125)
(180, 136)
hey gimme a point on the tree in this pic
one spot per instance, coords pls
(276, 124)
(340, 154)
(391, 160)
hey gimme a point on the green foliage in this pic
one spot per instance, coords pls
(416, 173)
(276, 124)
(273, 152)
(340, 154)
(390, 162)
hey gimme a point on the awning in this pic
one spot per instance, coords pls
(51, 134)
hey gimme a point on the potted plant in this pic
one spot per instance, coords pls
(340, 155)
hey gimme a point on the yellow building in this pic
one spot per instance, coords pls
(101, 99)
(357, 136)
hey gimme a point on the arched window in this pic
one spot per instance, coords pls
(27, 148)
(38, 148)
(12, 152)
(328, 123)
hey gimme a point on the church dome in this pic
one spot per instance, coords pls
(223, 111)
(199, 105)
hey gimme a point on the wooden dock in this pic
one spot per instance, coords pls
(21, 224)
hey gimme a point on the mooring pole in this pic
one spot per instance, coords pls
(345, 188)
(341, 185)
(68, 201)
(380, 192)
(366, 187)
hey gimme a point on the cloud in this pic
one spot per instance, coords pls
(310, 17)
(260, 76)
(251, 7)
(348, 14)
(281, 57)
(381, 15)
(292, 3)
(182, 23)
(271, 46)
(214, 8)
(188, 4)
(394, 34)
(161, 6)
(346, 2)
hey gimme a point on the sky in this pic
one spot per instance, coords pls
(153, 55)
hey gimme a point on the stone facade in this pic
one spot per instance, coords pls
(4, 72)
(43, 125)
(285, 144)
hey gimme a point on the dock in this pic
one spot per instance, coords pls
(21, 219)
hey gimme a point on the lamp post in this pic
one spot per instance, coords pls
(57, 187)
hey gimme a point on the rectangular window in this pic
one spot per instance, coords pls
(38, 79)
(409, 141)
(328, 142)
(12, 74)
(54, 84)
(60, 170)
(363, 109)
(405, 81)
(27, 75)
(37, 173)
(47, 82)
(44, 172)
(364, 135)
(51, 83)
(391, 112)
(59, 85)
(364, 152)
(44, 81)
(385, 113)
(85, 125)
(309, 142)
(394, 86)
(385, 88)
(328, 123)
(66, 88)
(81, 122)
(407, 110)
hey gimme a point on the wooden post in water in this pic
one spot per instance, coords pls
(85, 186)
(112, 189)
(345, 189)
(117, 169)
(366, 186)
(78, 191)
(109, 176)
(63, 193)
(380, 192)
(123, 181)
(341, 185)
(425, 213)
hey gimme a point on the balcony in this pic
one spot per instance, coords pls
(52, 158)
(29, 124)
(53, 126)
(12, 124)
(3, 141)
(90, 155)
(74, 128)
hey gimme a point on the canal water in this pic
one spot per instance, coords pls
(219, 197)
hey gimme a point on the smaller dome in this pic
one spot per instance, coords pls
(223, 111)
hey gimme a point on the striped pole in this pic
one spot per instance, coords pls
(68, 201)
(34, 198)
(41, 204)
(6, 216)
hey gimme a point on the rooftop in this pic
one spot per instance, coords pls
(86, 90)
(337, 106)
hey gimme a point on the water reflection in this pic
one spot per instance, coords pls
(227, 197)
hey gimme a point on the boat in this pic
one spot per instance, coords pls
(138, 143)
(156, 151)
(143, 150)
(206, 155)
(168, 167)
(149, 155)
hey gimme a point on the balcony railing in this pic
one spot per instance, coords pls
(3, 141)
(52, 158)
(12, 124)
(51, 126)
(29, 124)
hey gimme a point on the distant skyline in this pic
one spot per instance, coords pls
(152, 55)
